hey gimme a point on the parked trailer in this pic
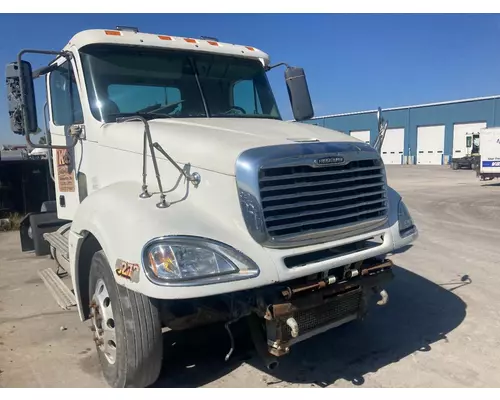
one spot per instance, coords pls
(489, 154)
(184, 199)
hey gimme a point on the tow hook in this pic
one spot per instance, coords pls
(384, 296)
(294, 326)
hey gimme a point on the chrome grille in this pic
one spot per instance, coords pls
(301, 199)
(301, 194)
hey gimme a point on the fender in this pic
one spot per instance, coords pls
(122, 223)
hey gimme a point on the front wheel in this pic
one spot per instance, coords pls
(126, 327)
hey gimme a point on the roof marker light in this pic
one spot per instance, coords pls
(113, 33)
(250, 48)
(163, 37)
(212, 43)
(190, 40)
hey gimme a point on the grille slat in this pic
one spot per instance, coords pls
(319, 202)
(319, 183)
(307, 175)
(323, 211)
(319, 192)
(304, 199)
(323, 220)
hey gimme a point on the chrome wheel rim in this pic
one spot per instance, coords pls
(103, 321)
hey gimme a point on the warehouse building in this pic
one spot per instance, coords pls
(421, 134)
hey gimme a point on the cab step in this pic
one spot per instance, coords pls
(61, 293)
(59, 240)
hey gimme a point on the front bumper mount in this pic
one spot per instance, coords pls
(306, 312)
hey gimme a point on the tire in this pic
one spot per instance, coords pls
(135, 359)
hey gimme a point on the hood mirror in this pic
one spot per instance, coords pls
(19, 97)
(298, 92)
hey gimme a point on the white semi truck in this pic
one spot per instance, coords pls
(183, 198)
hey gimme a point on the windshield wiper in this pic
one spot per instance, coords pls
(146, 115)
(198, 83)
(249, 116)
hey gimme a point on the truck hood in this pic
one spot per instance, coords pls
(215, 143)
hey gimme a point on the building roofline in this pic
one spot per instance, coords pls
(408, 107)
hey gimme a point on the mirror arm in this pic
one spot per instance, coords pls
(270, 67)
(23, 106)
(44, 70)
(76, 137)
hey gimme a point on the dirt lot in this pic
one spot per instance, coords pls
(441, 327)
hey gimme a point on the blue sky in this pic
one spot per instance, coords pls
(352, 62)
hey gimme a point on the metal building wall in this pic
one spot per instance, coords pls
(411, 117)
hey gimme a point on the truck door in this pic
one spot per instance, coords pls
(65, 112)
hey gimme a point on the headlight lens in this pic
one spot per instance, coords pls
(406, 225)
(189, 260)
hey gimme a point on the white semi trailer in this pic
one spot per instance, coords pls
(489, 154)
(183, 198)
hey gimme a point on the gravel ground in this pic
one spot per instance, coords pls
(441, 327)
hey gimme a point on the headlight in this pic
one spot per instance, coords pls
(187, 261)
(406, 225)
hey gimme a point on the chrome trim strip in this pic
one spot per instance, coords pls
(297, 176)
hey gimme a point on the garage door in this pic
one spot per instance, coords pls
(430, 144)
(361, 135)
(459, 132)
(393, 146)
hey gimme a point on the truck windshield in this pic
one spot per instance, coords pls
(125, 80)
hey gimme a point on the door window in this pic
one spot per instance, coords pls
(64, 97)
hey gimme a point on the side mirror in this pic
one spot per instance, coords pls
(298, 92)
(21, 95)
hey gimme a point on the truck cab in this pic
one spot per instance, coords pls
(471, 158)
(183, 197)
